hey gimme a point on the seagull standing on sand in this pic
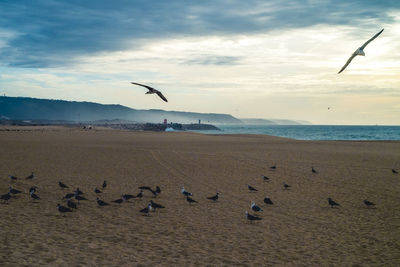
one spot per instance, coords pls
(154, 192)
(12, 178)
(252, 189)
(394, 171)
(152, 91)
(5, 198)
(104, 184)
(156, 205)
(251, 218)
(332, 203)
(214, 198)
(101, 202)
(62, 185)
(30, 176)
(255, 207)
(368, 203)
(97, 191)
(34, 196)
(71, 204)
(63, 209)
(147, 209)
(359, 51)
(13, 191)
(186, 193)
(265, 178)
(190, 200)
(286, 186)
(313, 170)
(268, 201)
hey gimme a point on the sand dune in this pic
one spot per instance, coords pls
(300, 229)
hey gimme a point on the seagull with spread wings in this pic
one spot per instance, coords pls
(152, 91)
(359, 51)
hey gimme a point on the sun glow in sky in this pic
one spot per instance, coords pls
(254, 60)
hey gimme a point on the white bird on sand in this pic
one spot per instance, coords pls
(152, 91)
(359, 51)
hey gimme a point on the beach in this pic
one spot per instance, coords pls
(300, 229)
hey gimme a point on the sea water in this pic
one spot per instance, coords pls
(314, 132)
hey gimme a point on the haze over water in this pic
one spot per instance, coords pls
(315, 132)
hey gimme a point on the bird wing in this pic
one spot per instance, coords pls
(348, 62)
(370, 40)
(161, 95)
(145, 86)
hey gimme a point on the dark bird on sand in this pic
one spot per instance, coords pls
(286, 186)
(394, 171)
(368, 203)
(13, 191)
(69, 195)
(152, 91)
(78, 192)
(313, 170)
(32, 189)
(118, 201)
(265, 178)
(5, 197)
(127, 196)
(147, 209)
(97, 191)
(79, 197)
(30, 176)
(254, 207)
(62, 185)
(252, 218)
(185, 193)
(214, 198)
(12, 177)
(154, 192)
(71, 204)
(359, 51)
(252, 189)
(63, 209)
(273, 167)
(34, 196)
(101, 202)
(190, 200)
(156, 205)
(139, 195)
(332, 203)
(268, 201)
(104, 184)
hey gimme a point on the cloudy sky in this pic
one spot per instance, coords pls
(252, 59)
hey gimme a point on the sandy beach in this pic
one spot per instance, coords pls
(300, 229)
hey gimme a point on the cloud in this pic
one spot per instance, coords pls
(57, 33)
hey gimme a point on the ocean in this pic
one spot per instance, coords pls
(314, 132)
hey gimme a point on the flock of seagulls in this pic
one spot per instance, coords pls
(256, 209)
(77, 195)
(358, 52)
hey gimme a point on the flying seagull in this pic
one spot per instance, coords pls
(152, 91)
(359, 51)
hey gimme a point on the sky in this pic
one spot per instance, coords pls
(251, 59)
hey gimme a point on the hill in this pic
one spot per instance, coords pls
(25, 108)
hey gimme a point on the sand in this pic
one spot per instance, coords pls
(300, 229)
